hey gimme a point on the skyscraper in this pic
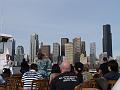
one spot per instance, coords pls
(92, 53)
(56, 52)
(83, 50)
(76, 49)
(20, 50)
(19, 55)
(34, 46)
(69, 52)
(107, 40)
(45, 49)
(11, 50)
(63, 42)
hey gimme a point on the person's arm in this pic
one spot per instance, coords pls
(100, 71)
(23, 78)
(52, 85)
(51, 77)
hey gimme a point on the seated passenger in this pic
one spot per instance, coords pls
(112, 75)
(78, 70)
(114, 71)
(103, 69)
(66, 80)
(43, 63)
(24, 66)
(86, 74)
(29, 76)
(97, 74)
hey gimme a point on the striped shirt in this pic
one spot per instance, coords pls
(28, 77)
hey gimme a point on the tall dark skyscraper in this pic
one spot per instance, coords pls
(83, 51)
(63, 42)
(13, 48)
(107, 40)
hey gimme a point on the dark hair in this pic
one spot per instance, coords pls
(113, 65)
(79, 67)
(86, 69)
(55, 69)
(34, 66)
(105, 59)
(40, 55)
(6, 72)
(24, 60)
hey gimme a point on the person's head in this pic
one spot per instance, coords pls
(7, 56)
(105, 59)
(6, 72)
(34, 67)
(79, 67)
(40, 55)
(113, 66)
(45, 56)
(24, 60)
(65, 66)
(86, 69)
(55, 69)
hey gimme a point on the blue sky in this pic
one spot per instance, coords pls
(53, 19)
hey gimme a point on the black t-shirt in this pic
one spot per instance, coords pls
(64, 81)
(104, 68)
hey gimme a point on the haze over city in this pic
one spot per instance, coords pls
(54, 19)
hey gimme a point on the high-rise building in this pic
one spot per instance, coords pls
(83, 50)
(34, 46)
(56, 52)
(69, 52)
(45, 49)
(11, 50)
(63, 42)
(19, 55)
(76, 49)
(93, 53)
(107, 40)
(20, 50)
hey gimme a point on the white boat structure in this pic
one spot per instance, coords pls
(5, 48)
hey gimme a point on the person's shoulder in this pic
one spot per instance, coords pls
(58, 76)
(103, 65)
(26, 73)
(55, 79)
(109, 75)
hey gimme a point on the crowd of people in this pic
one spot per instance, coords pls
(65, 76)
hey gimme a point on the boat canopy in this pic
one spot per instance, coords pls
(5, 37)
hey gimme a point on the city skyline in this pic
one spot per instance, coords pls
(53, 20)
